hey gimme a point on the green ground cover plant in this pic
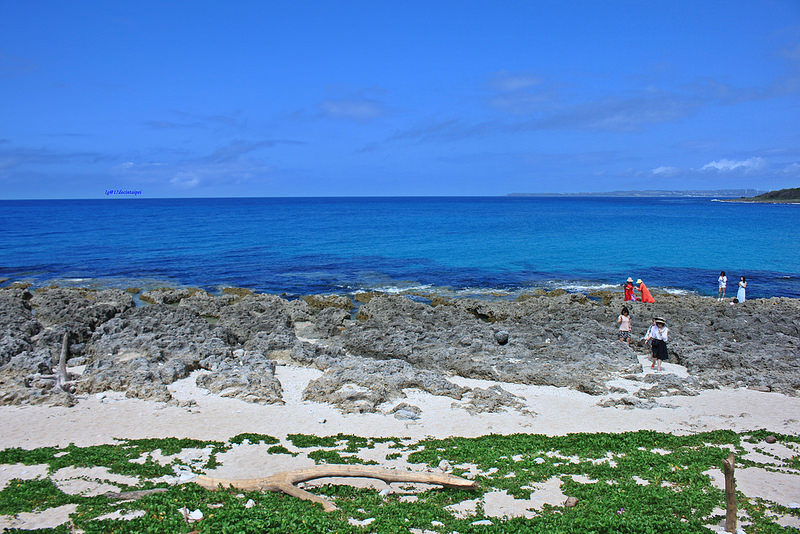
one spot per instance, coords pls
(633, 482)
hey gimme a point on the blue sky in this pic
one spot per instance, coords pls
(186, 99)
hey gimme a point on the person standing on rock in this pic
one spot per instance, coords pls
(629, 290)
(742, 286)
(624, 322)
(646, 296)
(658, 335)
(722, 283)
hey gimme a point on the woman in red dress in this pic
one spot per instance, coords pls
(646, 296)
(629, 290)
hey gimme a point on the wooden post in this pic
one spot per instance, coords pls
(730, 494)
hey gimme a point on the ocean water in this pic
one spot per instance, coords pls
(458, 245)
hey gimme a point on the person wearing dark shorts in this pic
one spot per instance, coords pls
(658, 335)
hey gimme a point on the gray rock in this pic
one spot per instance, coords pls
(359, 385)
(491, 400)
(628, 403)
(406, 411)
(501, 336)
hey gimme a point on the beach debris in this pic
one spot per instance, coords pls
(287, 481)
(770, 439)
(445, 466)
(250, 503)
(571, 502)
(385, 492)
(191, 516)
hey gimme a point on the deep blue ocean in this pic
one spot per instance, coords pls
(459, 245)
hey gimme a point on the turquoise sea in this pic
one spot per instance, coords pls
(460, 245)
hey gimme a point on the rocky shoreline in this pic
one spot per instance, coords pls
(372, 347)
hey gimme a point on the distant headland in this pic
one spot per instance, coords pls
(701, 193)
(781, 196)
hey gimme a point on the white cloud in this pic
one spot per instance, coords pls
(506, 81)
(792, 169)
(728, 165)
(665, 171)
(185, 179)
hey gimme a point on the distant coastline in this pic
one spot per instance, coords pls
(715, 193)
(782, 196)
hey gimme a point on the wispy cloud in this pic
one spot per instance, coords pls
(16, 157)
(359, 110)
(604, 115)
(182, 120)
(793, 169)
(235, 162)
(510, 82)
(728, 165)
(519, 93)
(665, 171)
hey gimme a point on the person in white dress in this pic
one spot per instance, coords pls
(740, 295)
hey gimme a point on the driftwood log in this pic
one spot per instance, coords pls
(60, 376)
(285, 482)
(62, 379)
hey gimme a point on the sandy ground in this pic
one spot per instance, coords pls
(100, 418)
(556, 411)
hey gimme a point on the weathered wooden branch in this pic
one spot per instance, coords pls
(132, 495)
(62, 379)
(60, 376)
(731, 508)
(285, 482)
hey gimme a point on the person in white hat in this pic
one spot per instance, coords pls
(658, 335)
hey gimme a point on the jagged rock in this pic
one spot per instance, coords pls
(492, 400)
(406, 411)
(358, 385)
(330, 322)
(17, 324)
(166, 295)
(249, 376)
(80, 311)
(559, 339)
(320, 302)
(628, 403)
(208, 306)
(668, 384)
(299, 310)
